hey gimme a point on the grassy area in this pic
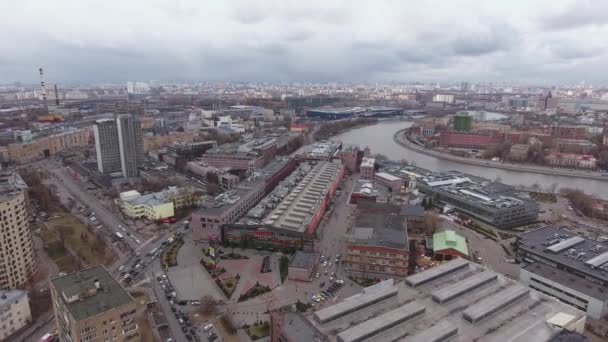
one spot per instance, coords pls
(228, 285)
(55, 250)
(68, 264)
(145, 330)
(47, 235)
(77, 237)
(365, 282)
(170, 255)
(258, 330)
(254, 292)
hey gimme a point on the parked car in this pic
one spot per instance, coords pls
(207, 327)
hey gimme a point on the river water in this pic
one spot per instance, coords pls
(379, 138)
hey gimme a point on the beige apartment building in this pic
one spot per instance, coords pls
(16, 252)
(90, 305)
(23, 153)
(14, 312)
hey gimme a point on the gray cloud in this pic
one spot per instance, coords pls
(577, 14)
(316, 40)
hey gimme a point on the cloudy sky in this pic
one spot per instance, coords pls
(534, 42)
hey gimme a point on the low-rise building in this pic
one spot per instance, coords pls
(230, 206)
(367, 190)
(45, 147)
(448, 245)
(368, 168)
(519, 152)
(157, 205)
(293, 327)
(249, 156)
(578, 292)
(392, 182)
(14, 312)
(91, 305)
(302, 266)
(202, 171)
(492, 202)
(571, 160)
(555, 246)
(378, 246)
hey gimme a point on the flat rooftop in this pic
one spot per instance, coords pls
(503, 310)
(579, 284)
(478, 190)
(8, 297)
(225, 201)
(303, 260)
(558, 245)
(380, 229)
(83, 300)
(296, 211)
(11, 184)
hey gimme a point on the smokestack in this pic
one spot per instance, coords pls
(43, 87)
(56, 96)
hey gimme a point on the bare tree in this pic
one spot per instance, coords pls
(208, 306)
(431, 222)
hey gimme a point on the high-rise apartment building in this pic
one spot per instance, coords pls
(119, 145)
(106, 146)
(14, 312)
(130, 142)
(90, 305)
(16, 253)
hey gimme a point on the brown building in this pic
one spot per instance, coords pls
(378, 246)
(48, 146)
(90, 305)
(350, 156)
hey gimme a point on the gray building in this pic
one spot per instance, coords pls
(130, 142)
(566, 266)
(492, 202)
(119, 145)
(106, 146)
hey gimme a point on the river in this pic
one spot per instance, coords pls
(379, 138)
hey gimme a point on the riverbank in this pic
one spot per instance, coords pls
(400, 138)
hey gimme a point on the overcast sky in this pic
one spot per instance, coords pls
(533, 42)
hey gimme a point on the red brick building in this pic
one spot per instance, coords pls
(469, 140)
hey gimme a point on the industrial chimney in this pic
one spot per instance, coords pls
(43, 87)
(56, 96)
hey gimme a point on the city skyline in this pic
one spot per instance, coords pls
(541, 43)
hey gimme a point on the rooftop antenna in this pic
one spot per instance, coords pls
(43, 87)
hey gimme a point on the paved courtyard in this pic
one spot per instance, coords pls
(190, 279)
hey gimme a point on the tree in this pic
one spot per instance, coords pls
(380, 156)
(431, 222)
(208, 306)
